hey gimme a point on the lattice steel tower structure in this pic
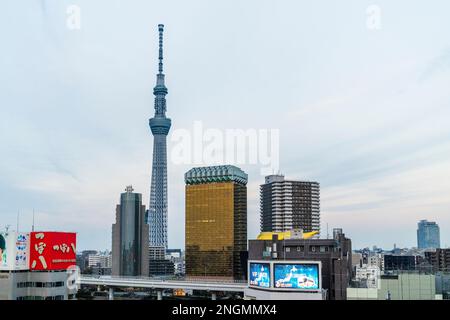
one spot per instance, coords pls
(160, 126)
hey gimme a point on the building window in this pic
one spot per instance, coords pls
(288, 249)
(300, 248)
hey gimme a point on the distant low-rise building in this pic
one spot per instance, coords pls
(100, 260)
(159, 264)
(177, 257)
(376, 260)
(399, 262)
(83, 260)
(367, 276)
(443, 284)
(161, 268)
(357, 259)
(439, 259)
(403, 286)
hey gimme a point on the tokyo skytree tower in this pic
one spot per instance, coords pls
(160, 126)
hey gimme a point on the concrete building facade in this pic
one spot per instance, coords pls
(33, 285)
(439, 259)
(403, 286)
(288, 204)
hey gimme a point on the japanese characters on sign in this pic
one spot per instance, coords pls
(52, 250)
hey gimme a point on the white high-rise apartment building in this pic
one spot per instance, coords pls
(289, 204)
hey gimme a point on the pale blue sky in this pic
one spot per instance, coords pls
(366, 113)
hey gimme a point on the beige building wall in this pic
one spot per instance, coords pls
(405, 287)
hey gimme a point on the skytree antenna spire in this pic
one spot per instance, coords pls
(160, 126)
(161, 31)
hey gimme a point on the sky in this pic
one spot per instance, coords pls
(359, 91)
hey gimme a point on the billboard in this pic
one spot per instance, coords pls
(52, 250)
(14, 250)
(300, 276)
(259, 274)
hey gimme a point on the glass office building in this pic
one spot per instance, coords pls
(130, 236)
(216, 222)
(428, 235)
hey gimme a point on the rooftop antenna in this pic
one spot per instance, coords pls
(32, 226)
(328, 235)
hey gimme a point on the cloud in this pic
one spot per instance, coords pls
(436, 66)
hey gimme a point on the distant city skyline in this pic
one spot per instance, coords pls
(363, 111)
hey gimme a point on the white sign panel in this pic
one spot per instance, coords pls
(14, 251)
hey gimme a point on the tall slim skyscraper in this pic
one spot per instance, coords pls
(288, 204)
(428, 235)
(216, 222)
(130, 236)
(160, 126)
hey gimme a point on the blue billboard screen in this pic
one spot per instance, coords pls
(296, 276)
(259, 274)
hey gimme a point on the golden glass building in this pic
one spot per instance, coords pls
(216, 222)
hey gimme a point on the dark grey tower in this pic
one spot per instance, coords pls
(130, 236)
(160, 126)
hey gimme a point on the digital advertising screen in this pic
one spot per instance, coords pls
(259, 275)
(4, 252)
(296, 276)
(52, 250)
(14, 251)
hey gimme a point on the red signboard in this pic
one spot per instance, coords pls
(52, 250)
